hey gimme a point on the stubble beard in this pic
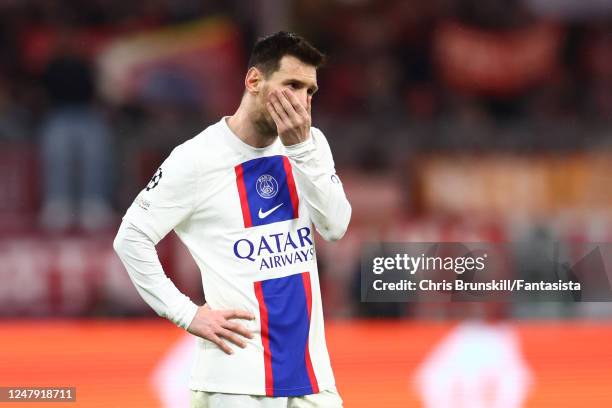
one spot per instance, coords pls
(265, 124)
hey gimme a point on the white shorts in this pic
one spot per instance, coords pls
(324, 399)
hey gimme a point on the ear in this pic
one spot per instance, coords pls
(253, 80)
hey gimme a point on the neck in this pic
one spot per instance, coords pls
(244, 125)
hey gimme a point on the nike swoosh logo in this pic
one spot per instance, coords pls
(264, 214)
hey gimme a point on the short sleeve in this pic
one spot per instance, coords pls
(170, 196)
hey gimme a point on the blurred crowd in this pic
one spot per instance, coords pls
(465, 75)
(52, 99)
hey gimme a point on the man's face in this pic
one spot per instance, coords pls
(292, 75)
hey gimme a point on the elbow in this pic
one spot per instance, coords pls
(333, 234)
(336, 229)
(119, 244)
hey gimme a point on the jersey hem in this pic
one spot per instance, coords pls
(225, 389)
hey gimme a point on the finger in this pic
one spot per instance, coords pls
(222, 345)
(288, 107)
(233, 337)
(299, 108)
(275, 117)
(280, 111)
(238, 328)
(238, 314)
(283, 121)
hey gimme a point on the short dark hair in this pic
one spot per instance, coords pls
(268, 51)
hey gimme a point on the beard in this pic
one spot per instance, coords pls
(264, 124)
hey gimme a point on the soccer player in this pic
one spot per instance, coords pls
(243, 196)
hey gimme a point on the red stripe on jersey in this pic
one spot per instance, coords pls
(291, 184)
(244, 203)
(265, 339)
(311, 375)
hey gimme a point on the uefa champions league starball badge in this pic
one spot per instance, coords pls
(267, 186)
(154, 180)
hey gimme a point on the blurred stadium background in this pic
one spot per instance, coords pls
(450, 120)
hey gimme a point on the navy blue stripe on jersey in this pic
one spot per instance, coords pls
(269, 194)
(287, 307)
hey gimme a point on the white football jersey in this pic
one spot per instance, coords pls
(240, 212)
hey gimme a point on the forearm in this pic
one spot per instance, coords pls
(324, 195)
(138, 254)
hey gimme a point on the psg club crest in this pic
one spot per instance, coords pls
(267, 186)
(267, 191)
